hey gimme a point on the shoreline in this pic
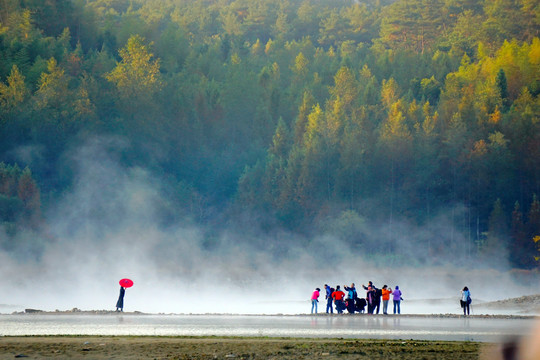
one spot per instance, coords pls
(231, 345)
(75, 311)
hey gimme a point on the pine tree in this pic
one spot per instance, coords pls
(15, 92)
(28, 192)
(137, 77)
(521, 248)
(533, 225)
(302, 119)
(52, 90)
(502, 86)
(497, 232)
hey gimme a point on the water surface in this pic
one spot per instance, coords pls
(345, 326)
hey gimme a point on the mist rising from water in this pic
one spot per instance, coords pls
(108, 227)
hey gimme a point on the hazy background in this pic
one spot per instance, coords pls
(232, 155)
(108, 227)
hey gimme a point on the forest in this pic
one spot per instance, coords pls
(357, 120)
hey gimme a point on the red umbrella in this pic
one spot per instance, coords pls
(126, 283)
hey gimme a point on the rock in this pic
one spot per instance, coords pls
(32, 311)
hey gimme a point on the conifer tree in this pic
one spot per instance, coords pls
(502, 87)
(521, 248)
(28, 192)
(14, 92)
(137, 77)
(497, 229)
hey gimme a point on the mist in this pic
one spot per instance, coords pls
(109, 226)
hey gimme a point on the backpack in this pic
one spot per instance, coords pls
(469, 300)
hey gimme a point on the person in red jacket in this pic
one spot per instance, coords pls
(385, 298)
(338, 296)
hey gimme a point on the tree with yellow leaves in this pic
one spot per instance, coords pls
(14, 92)
(137, 77)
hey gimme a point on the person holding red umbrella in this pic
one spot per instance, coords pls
(120, 302)
(124, 283)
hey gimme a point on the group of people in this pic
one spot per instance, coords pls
(350, 301)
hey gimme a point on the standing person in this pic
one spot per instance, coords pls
(351, 297)
(370, 298)
(370, 283)
(315, 299)
(329, 292)
(338, 296)
(397, 299)
(120, 302)
(377, 298)
(386, 291)
(465, 300)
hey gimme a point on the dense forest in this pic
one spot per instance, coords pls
(312, 117)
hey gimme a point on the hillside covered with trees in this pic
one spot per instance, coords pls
(313, 117)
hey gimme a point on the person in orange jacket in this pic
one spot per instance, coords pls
(385, 298)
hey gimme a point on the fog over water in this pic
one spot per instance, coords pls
(109, 226)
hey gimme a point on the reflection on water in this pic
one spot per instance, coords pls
(345, 326)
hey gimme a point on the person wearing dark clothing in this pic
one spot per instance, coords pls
(360, 305)
(120, 302)
(377, 299)
(370, 283)
(370, 298)
(329, 292)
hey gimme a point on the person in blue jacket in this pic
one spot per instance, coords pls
(465, 301)
(329, 291)
(351, 298)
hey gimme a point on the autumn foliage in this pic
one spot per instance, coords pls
(307, 113)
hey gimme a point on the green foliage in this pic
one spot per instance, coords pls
(14, 92)
(19, 197)
(295, 109)
(536, 240)
(497, 232)
(137, 76)
(10, 208)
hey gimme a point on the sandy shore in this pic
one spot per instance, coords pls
(162, 347)
(322, 315)
(212, 347)
(74, 347)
